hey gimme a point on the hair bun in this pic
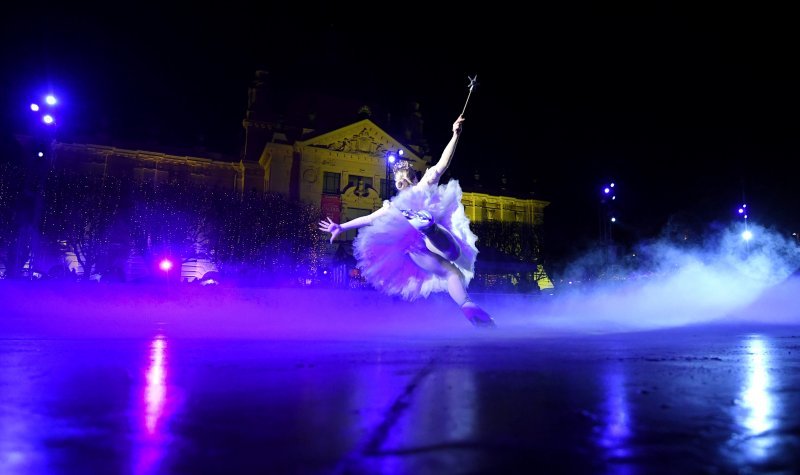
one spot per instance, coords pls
(401, 164)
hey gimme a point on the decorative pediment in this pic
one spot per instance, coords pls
(362, 137)
(361, 142)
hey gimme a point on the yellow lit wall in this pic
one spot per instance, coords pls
(482, 207)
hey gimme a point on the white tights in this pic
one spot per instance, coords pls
(439, 266)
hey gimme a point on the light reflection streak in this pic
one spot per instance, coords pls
(156, 389)
(616, 431)
(151, 447)
(757, 417)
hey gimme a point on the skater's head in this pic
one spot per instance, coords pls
(404, 175)
(405, 179)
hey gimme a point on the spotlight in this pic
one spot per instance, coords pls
(165, 265)
(392, 156)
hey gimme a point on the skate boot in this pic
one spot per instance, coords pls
(477, 316)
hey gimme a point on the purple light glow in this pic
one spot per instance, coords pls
(153, 411)
(48, 119)
(392, 158)
(156, 389)
(50, 100)
(165, 265)
(606, 190)
(35, 107)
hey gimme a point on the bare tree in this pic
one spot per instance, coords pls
(78, 215)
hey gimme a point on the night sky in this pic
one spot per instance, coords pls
(691, 111)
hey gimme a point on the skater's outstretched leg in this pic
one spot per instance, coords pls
(455, 287)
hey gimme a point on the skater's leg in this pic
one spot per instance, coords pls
(455, 286)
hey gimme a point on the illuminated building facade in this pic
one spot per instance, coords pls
(343, 169)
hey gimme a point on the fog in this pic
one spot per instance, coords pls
(721, 279)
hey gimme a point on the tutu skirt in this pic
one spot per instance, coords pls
(383, 248)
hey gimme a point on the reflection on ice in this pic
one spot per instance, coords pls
(615, 433)
(156, 390)
(755, 415)
(151, 447)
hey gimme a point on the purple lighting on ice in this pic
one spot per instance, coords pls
(156, 389)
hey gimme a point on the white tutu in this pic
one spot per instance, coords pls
(382, 249)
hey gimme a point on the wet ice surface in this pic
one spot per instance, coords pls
(143, 379)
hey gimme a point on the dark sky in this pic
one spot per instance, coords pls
(690, 110)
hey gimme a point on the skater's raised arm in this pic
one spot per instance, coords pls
(329, 226)
(435, 172)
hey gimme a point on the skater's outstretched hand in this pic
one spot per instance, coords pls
(457, 125)
(329, 226)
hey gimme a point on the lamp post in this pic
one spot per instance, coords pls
(391, 157)
(43, 146)
(607, 197)
(46, 116)
(747, 235)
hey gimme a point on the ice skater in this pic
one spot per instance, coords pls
(419, 241)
